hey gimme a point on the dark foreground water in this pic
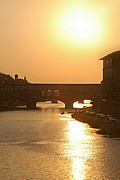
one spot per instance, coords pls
(45, 145)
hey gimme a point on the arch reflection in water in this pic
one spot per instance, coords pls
(79, 148)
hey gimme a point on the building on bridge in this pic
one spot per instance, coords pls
(30, 94)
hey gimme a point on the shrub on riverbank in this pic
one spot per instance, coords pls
(103, 125)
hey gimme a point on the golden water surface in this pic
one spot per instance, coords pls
(45, 145)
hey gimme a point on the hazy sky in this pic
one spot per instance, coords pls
(58, 40)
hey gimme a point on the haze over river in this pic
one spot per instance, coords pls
(42, 144)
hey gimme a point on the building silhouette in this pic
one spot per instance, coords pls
(111, 77)
(18, 80)
(110, 95)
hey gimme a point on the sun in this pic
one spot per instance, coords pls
(79, 25)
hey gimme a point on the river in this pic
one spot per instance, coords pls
(42, 144)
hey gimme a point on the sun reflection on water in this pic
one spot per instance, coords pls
(79, 148)
(78, 169)
(76, 132)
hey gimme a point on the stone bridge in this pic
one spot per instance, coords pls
(30, 94)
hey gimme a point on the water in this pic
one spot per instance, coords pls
(45, 145)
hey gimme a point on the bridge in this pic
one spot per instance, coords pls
(30, 94)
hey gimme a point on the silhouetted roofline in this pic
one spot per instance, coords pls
(115, 54)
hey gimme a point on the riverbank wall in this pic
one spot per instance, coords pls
(108, 107)
(103, 125)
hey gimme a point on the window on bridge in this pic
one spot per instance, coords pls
(56, 93)
(49, 92)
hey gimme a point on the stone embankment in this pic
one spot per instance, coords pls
(103, 124)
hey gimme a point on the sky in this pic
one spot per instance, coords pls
(58, 41)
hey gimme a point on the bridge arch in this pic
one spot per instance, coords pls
(82, 104)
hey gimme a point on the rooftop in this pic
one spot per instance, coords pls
(114, 55)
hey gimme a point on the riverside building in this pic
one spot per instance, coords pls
(111, 82)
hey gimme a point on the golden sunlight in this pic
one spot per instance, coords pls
(77, 132)
(78, 150)
(78, 25)
(78, 168)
